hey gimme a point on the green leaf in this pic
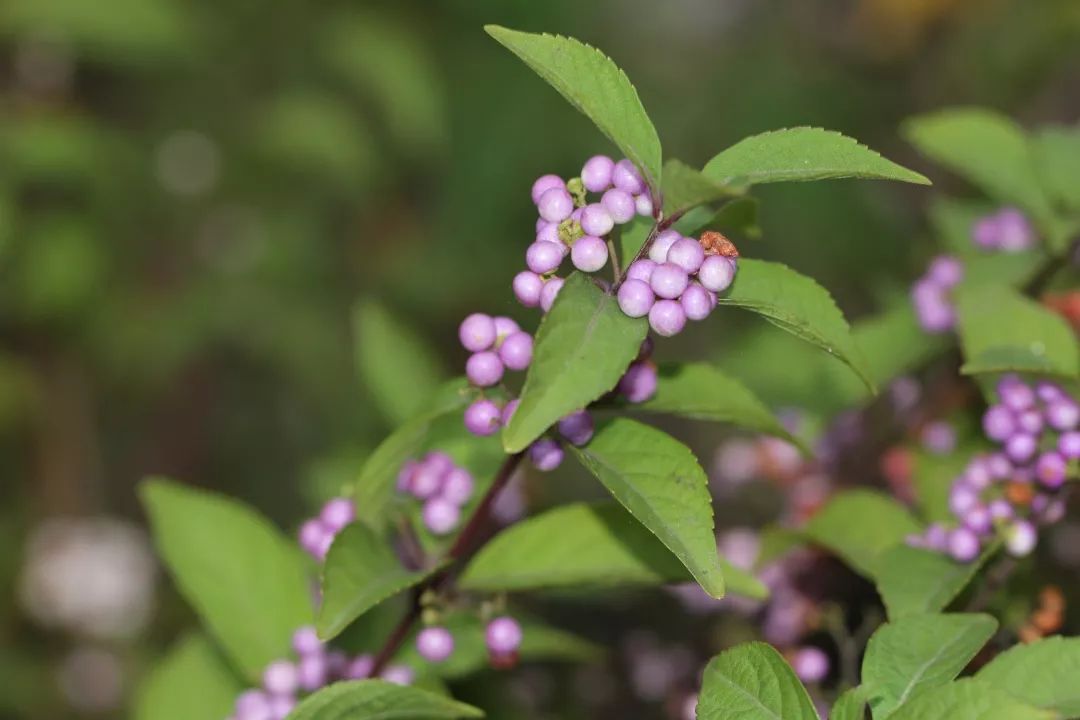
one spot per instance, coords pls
(594, 85)
(245, 580)
(1043, 674)
(582, 348)
(913, 580)
(659, 481)
(379, 700)
(752, 682)
(398, 368)
(859, 526)
(703, 392)
(952, 221)
(799, 154)
(967, 699)
(192, 681)
(631, 237)
(737, 218)
(905, 658)
(1057, 161)
(797, 304)
(684, 188)
(359, 573)
(584, 544)
(892, 343)
(850, 706)
(1001, 330)
(933, 476)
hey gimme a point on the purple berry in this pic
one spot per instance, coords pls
(1014, 394)
(667, 317)
(696, 302)
(313, 538)
(977, 474)
(546, 454)
(457, 486)
(1048, 392)
(596, 173)
(640, 270)
(1051, 469)
(1014, 232)
(810, 664)
(504, 328)
(716, 273)
(998, 423)
(937, 537)
(643, 205)
(963, 545)
(596, 220)
(516, 350)
(252, 705)
(1069, 445)
(932, 308)
(1020, 448)
(1063, 414)
(978, 519)
(999, 466)
(577, 427)
(544, 257)
(1020, 538)
(984, 233)
(440, 515)
(668, 281)
(627, 178)
(280, 678)
(939, 437)
(503, 636)
(550, 292)
(508, 411)
(305, 641)
(541, 223)
(1030, 421)
(638, 383)
(477, 332)
(589, 253)
(398, 674)
(1001, 509)
(549, 234)
(545, 183)
(337, 513)
(281, 706)
(962, 498)
(555, 205)
(687, 254)
(620, 205)
(311, 672)
(484, 369)
(438, 461)
(482, 417)
(663, 242)
(359, 667)
(435, 644)
(527, 287)
(945, 271)
(635, 298)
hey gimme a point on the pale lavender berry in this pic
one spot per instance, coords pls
(998, 423)
(503, 636)
(577, 427)
(663, 242)
(544, 257)
(962, 498)
(1014, 232)
(999, 466)
(508, 411)
(440, 515)
(963, 544)
(1020, 447)
(516, 350)
(541, 223)
(811, 664)
(504, 327)
(546, 454)
(596, 173)
(280, 678)
(1001, 509)
(576, 215)
(1048, 392)
(1015, 394)
(1030, 421)
(484, 369)
(311, 672)
(589, 253)
(281, 706)
(984, 233)
(1020, 538)
(640, 269)
(596, 220)
(477, 332)
(305, 641)
(398, 675)
(313, 537)
(482, 417)
(667, 317)
(620, 205)
(937, 537)
(627, 178)
(435, 644)
(668, 281)
(687, 253)
(1063, 414)
(1069, 445)
(545, 183)
(359, 667)
(945, 271)
(1051, 469)
(643, 205)
(939, 437)
(549, 292)
(696, 302)
(932, 308)
(322, 549)
(404, 478)
(978, 519)
(427, 477)
(457, 486)
(549, 234)
(439, 462)
(555, 205)
(252, 705)
(977, 474)
(638, 383)
(636, 298)
(716, 273)
(337, 513)
(527, 288)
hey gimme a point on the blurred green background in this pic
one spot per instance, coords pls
(195, 194)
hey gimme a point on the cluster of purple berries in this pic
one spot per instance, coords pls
(442, 486)
(1011, 492)
(1007, 230)
(502, 636)
(570, 225)
(497, 344)
(318, 533)
(678, 281)
(931, 294)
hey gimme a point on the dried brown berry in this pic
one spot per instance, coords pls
(714, 243)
